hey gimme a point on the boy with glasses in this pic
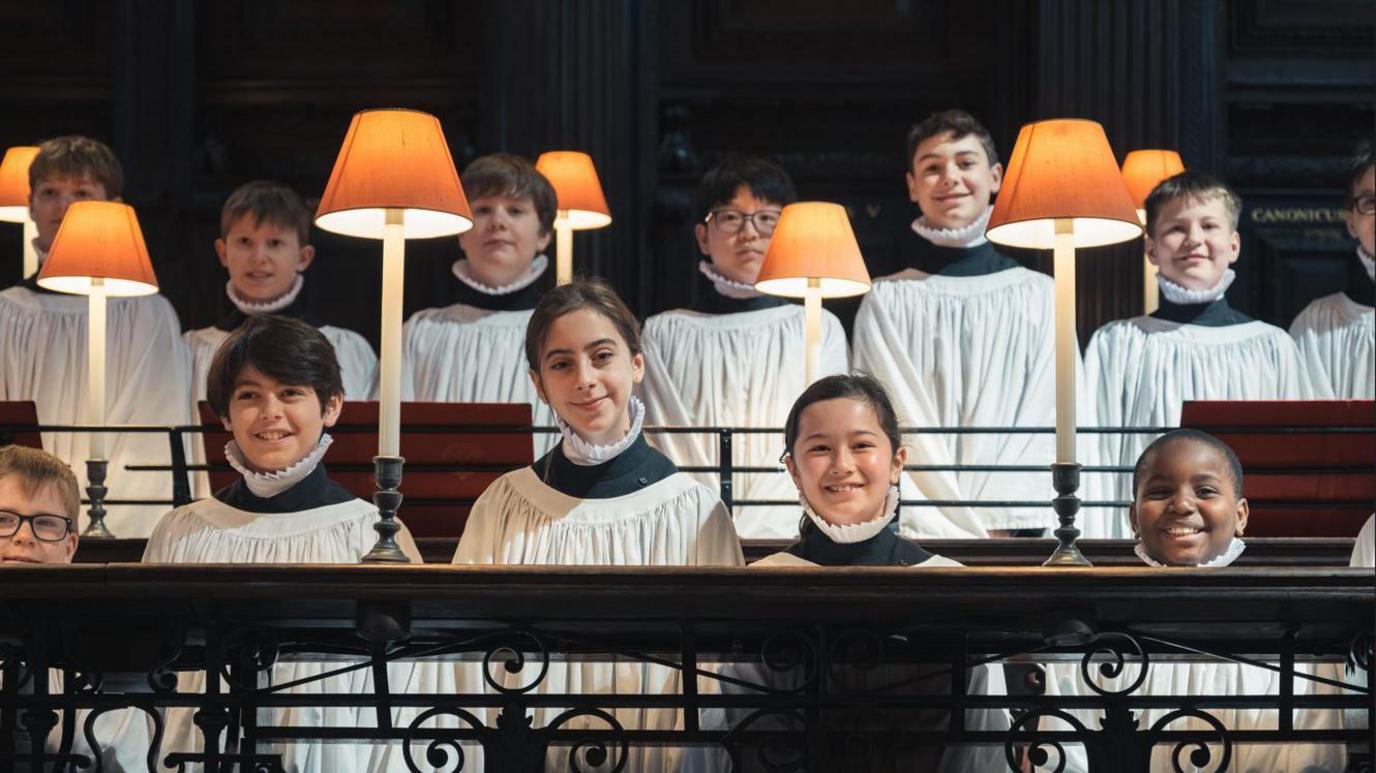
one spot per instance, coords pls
(1336, 334)
(736, 358)
(39, 500)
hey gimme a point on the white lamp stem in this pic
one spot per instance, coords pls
(30, 252)
(389, 382)
(1151, 294)
(1067, 343)
(563, 248)
(95, 364)
(812, 327)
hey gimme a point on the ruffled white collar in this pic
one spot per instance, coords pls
(250, 308)
(1187, 297)
(1235, 548)
(42, 254)
(465, 274)
(270, 484)
(585, 454)
(971, 235)
(727, 287)
(854, 532)
(1368, 262)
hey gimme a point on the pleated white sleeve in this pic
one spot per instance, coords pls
(147, 379)
(734, 370)
(1142, 370)
(462, 354)
(969, 352)
(208, 531)
(1336, 337)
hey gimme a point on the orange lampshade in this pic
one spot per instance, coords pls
(1143, 170)
(1062, 169)
(394, 159)
(99, 239)
(580, 192)
(14, 183)
(813, 240)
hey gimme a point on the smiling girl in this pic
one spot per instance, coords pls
(600, 497)
(275, 384)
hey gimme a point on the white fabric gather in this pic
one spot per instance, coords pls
(464, 272)
(1336, 337)
(270, 484)
(734, 370)
(971, 235)
(726, 286)
(1227, 557)
(585, 454)
(1368, 262)
(253, 308)
(851, 533)
(1183, 295)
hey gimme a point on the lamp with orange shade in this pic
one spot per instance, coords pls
(394, 180)
(14, 199)
(98, 252)
(1143, 170)
(813, 255)
(1063, 190)
(582, 206)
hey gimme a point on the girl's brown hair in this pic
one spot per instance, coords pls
(582, 293)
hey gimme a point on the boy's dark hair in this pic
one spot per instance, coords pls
(506, 174)
(766, 180)
(855, 386)
(267, 202)
(1194, 436)
(35, 468)
(287, 350)
(77, 156)
(582, 293)
(1363, 158)
(1191, 184)
(959, 124)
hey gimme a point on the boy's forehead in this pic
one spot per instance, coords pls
(507, 195)
(81, 180)
(1366, 184)
(1189, 456)
(945, 144)
(252, 222)
(1205, 204)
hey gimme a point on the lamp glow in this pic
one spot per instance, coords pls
(813, 255)
(1063, 190)
(14, 199)
(394, 180)
(582, 206)
(1143, 170)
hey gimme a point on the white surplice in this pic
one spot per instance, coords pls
(1337, 342)
(968, 351)
(1141, 370)
(734, 370)
(147, 378)
(209, 531)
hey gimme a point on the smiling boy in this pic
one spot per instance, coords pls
(1195, 346)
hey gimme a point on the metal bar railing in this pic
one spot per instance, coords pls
(726, 470)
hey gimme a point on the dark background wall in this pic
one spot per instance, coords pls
(197, 98)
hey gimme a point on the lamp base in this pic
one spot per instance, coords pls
(387, 475)
(96, 491)
(1066, 480)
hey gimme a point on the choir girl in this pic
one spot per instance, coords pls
(1336, 334)
(471, 351)
(736, 358)
(1189, 511)
(601, 496)
(1195, 346)
(962, 335)
(845, 456)
(275, 383)
(43, 345)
